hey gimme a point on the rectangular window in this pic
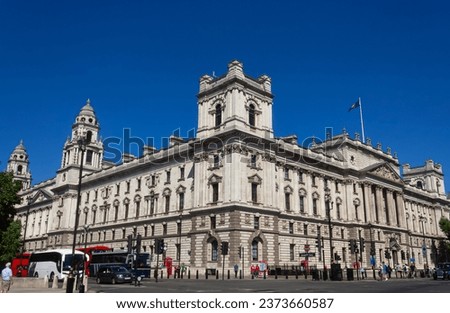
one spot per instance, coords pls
(167, 177)
(213, 222)
(253, 160)
(138, 184)
(215, 191)
(315, 206)
(216, 160)
(291, 228)
(181, 201)
(165, 229)
(127, 207)
(287, 200)
(167, 203)
(153, 180)
(302, 204)
(286, 173)
(89, 154)
(292, 252)
(181, 173)
(300, 176)
(138, 208)
(152, 230)
(305, 229)
(254, 192)
(179, 228)
(128, 186)
(313, 180)
(256, 222)
(87, 196)
(338, 211)
(152, 205)
(117, 189)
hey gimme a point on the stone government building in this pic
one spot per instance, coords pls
(236, 182)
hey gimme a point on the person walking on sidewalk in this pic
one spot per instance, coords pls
(6, 278)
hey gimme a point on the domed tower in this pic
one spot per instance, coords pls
(87, 126)
(18, 164)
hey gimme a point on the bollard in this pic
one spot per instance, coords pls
(296, 274)
(189, 274)
(55, 282)
(264, 274)
(206, 274)
(240, 274)
(228, 274)
(217, 274)
(162, 274)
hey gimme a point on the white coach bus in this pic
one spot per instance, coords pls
(53, 263)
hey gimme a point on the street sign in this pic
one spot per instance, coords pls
(306, 248)
(307, 254)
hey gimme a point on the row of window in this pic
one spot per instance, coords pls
(251, 115)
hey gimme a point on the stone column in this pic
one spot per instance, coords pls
(391, 208)
(368, 203)
(379, 197)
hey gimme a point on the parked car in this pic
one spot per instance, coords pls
(114, 274)
(442, 271)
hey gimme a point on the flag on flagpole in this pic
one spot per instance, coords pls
(355, 105)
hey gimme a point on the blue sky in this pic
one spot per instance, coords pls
(139, 62)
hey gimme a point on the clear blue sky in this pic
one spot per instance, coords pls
(139, 62)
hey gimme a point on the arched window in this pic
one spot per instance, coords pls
(419, 185)
(255, 250)
(19, 170)
(214, 250)
(218, 115)
(251, 115)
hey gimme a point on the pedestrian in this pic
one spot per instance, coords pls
(384, 272)
(6, 278)
(236, 269)
(363, 272)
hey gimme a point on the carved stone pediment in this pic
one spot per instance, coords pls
(385, 171)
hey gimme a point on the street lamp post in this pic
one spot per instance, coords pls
(329, 207)
(83, 141)
(422, 219)
(29, 198)
(85, 230)
(179, 247)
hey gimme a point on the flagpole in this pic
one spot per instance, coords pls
(362, 121)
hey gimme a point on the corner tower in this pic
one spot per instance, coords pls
(18, 164)
(85, 124)
(235, 101)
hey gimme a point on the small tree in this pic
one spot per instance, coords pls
(444, 246)
(10, 243)
(8, 199)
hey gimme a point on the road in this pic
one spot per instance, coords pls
(423, 285)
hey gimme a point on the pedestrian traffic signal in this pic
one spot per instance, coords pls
(361, 244)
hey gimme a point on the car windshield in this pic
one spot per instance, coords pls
(120, 269)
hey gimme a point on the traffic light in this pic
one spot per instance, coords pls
(319, 244)
(138, 243)
(352, 246)
(224, 248)
(361, 244)
(161, 246)
(240, 252)
(130, 244)
(387, 255)
(372, 248)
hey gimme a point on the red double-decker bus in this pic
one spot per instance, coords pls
(19, 265)
(89, 251)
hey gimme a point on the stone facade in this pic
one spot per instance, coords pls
(236, 182)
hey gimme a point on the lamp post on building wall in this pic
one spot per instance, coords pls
(83, 141)
(422, 219)
(329, 207)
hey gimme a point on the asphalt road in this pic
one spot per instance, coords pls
(422, 285)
